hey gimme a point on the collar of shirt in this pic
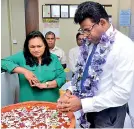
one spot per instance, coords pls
(55, 48)
(110, 29)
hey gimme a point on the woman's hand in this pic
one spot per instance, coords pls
(47, 85)
(41, 85)
(31, 78)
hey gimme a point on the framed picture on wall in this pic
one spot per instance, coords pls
(64, 11)
(55, 11)
(72, 10)
(46, 11)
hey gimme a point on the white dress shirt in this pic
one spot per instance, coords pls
(73, 58)
(60, 54)
(117, 78)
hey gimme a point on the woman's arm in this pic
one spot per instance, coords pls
(13, 64)
(28, 75)
(58, 81)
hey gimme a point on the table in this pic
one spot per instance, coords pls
(9, 89)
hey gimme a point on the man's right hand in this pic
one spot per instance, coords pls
(63, 99)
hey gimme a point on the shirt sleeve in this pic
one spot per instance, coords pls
(119, 94)
(11, 62)
(63, 58)
(72, 61)
(70, 87)
(60, 74)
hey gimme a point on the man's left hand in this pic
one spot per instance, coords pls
(73, 104)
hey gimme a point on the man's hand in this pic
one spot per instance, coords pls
(63, 99)
(69, 103)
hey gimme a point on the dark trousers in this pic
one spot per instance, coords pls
(108, 118)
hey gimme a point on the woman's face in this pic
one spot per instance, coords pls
(36, 47)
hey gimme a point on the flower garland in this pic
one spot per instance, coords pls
(94, 70)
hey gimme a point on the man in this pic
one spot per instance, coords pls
(101, 90)
(51, 39)
(74, 52)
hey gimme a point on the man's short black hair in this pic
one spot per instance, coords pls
(50, 33)
(92, 10)
(77, 35)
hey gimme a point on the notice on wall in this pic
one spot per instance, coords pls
(46, 11)
(125, 17)
(72, 10)
(51, 25)
(64, 11)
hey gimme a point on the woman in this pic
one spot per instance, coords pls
(40, 73)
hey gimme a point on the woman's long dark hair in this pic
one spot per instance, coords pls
(30, 60)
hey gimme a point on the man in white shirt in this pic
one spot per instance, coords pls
(74, 52)
(101, 91)
(51, 39)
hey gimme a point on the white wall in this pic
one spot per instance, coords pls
(17, 21)
(68, 29)
(13, 23)
(5, 32)
(13, 26)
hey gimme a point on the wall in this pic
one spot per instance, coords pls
(13, 26)
(17, 22)
(13, 23)
(114, 11)
(5, 32)
(68, 29)
(125, 5)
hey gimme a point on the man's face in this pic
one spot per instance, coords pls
(80, 39)
(50, 40)
(92, 31)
